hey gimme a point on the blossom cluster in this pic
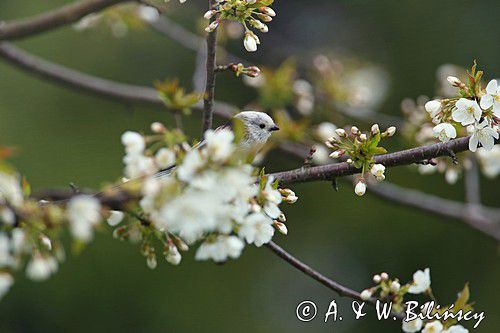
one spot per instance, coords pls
(205, 193)
(250, 13)
(474, 112)
(179, 194)
(480, 119)
(360, 148)
(387, 288)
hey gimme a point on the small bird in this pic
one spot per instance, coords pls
(257, 126)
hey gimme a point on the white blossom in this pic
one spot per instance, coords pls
(257, 229)
(115, 218)
(6, 281)
(83, 214)
(444, 132)
(219, 144)
(6, 258)
(321, 155)
(378, 170)
(221, 249)
(433, 327)
(173, 256)
(421, 281)
(10, 189)
(134, 142)
(165, 158)
(490, 161)
(412, 326)
(190, 165)
(456, 329)
(41, 267)
(7, 216)
(492, 97)
(138, 165)
(466, 111)
(433, 108)
(484, 135)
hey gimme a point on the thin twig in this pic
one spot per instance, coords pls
(53, 19)
(329, 283)
(208, 100)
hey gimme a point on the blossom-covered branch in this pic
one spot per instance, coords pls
(53, 19)
(405, 157)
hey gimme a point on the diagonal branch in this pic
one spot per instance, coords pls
(404, 157)
(71, 78)
(340, 289)
(53, 19)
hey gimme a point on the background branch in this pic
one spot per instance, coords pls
(53, 19)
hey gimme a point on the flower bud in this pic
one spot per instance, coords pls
(375, 129)
(212, 26)
(252, 71)
(354, 130)
(363, 137)
(158, 127)
(337, 153)
(384, 276)
(390, 131)
(151, 261)
(377, 279)
(454, 81)
(250, 42)
(268, 11)
(173, 256)
(264, 17)
(395, 286)
(360, 188)
(433, 107)
(366, 294)
(378, 170)
(209, 14)
(281, 227)
(45, 241)
(282, 218)
(341, 132)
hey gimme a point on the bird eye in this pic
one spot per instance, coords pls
(262, 126)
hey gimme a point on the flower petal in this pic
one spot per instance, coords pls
(492, 87)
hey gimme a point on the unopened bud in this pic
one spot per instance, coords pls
(281, 227)
(337, 153)
(341, 132)
(390, 131)
(395, 286)
(268, 11)
(264, 17)
(282, 218)
(455, 81)
(354, 130)
(158, 127)
(360, 188)
(384, 276)
(151, 261)
(366, 294)
(375, 129)
(377, 278)
(209, 14)
(363, 137)
(212, 26)
(45, 242)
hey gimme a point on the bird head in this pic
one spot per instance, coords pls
(258, 127)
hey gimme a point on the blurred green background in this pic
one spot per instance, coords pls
(63, 136)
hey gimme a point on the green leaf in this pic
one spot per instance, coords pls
(463, 297)
(26, 187)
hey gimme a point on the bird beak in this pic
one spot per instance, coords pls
(274, 128)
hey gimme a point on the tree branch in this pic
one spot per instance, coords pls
(484, 219)
(329, 283)
(53, 19)
(404, 157)
(67, 77)
(208, 99)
